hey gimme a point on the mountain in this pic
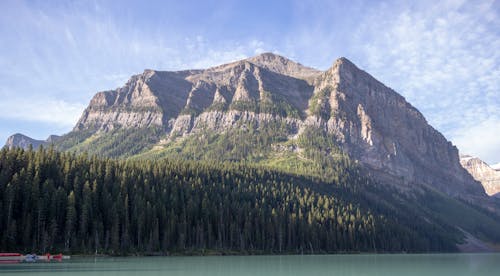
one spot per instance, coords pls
(482, 172)
(23, 141)
(266, 135)
(158, 114)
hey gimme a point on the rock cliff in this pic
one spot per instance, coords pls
(378, 127)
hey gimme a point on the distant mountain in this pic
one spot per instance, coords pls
(23, 141)
(482, 172)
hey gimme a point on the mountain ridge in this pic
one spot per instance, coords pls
(364, 118)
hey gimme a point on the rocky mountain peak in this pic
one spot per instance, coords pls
(482, 172)
(282, 65)
(343, 61)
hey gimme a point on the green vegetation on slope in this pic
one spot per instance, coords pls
(313, 153)
(246, 142)
(118, 142)
(319, 103)
(270, 103)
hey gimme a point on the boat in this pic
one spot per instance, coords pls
(30, 258)
(58, 257)
(9, 258)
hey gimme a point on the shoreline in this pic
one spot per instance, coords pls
(280, 254)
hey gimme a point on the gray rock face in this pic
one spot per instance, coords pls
(220, 121)
(142, 102)
(154, 98)
(19, 140)
(376, 126)
(482, 172)
(371, 122)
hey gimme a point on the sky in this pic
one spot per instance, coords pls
(442, 56)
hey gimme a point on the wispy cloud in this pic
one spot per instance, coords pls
(65, 47)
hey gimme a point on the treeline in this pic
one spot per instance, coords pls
(53, 201)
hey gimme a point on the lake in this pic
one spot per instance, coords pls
(397, 264)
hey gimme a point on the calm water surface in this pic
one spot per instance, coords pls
(426, 265)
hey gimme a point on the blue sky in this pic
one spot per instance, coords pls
(443, 56)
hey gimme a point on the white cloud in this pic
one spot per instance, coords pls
(50, 111)
(481, 140)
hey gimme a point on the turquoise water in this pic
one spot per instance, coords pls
(384, 265)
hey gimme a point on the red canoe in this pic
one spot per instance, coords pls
(8, 258)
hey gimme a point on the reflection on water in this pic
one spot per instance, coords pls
(398, 264)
